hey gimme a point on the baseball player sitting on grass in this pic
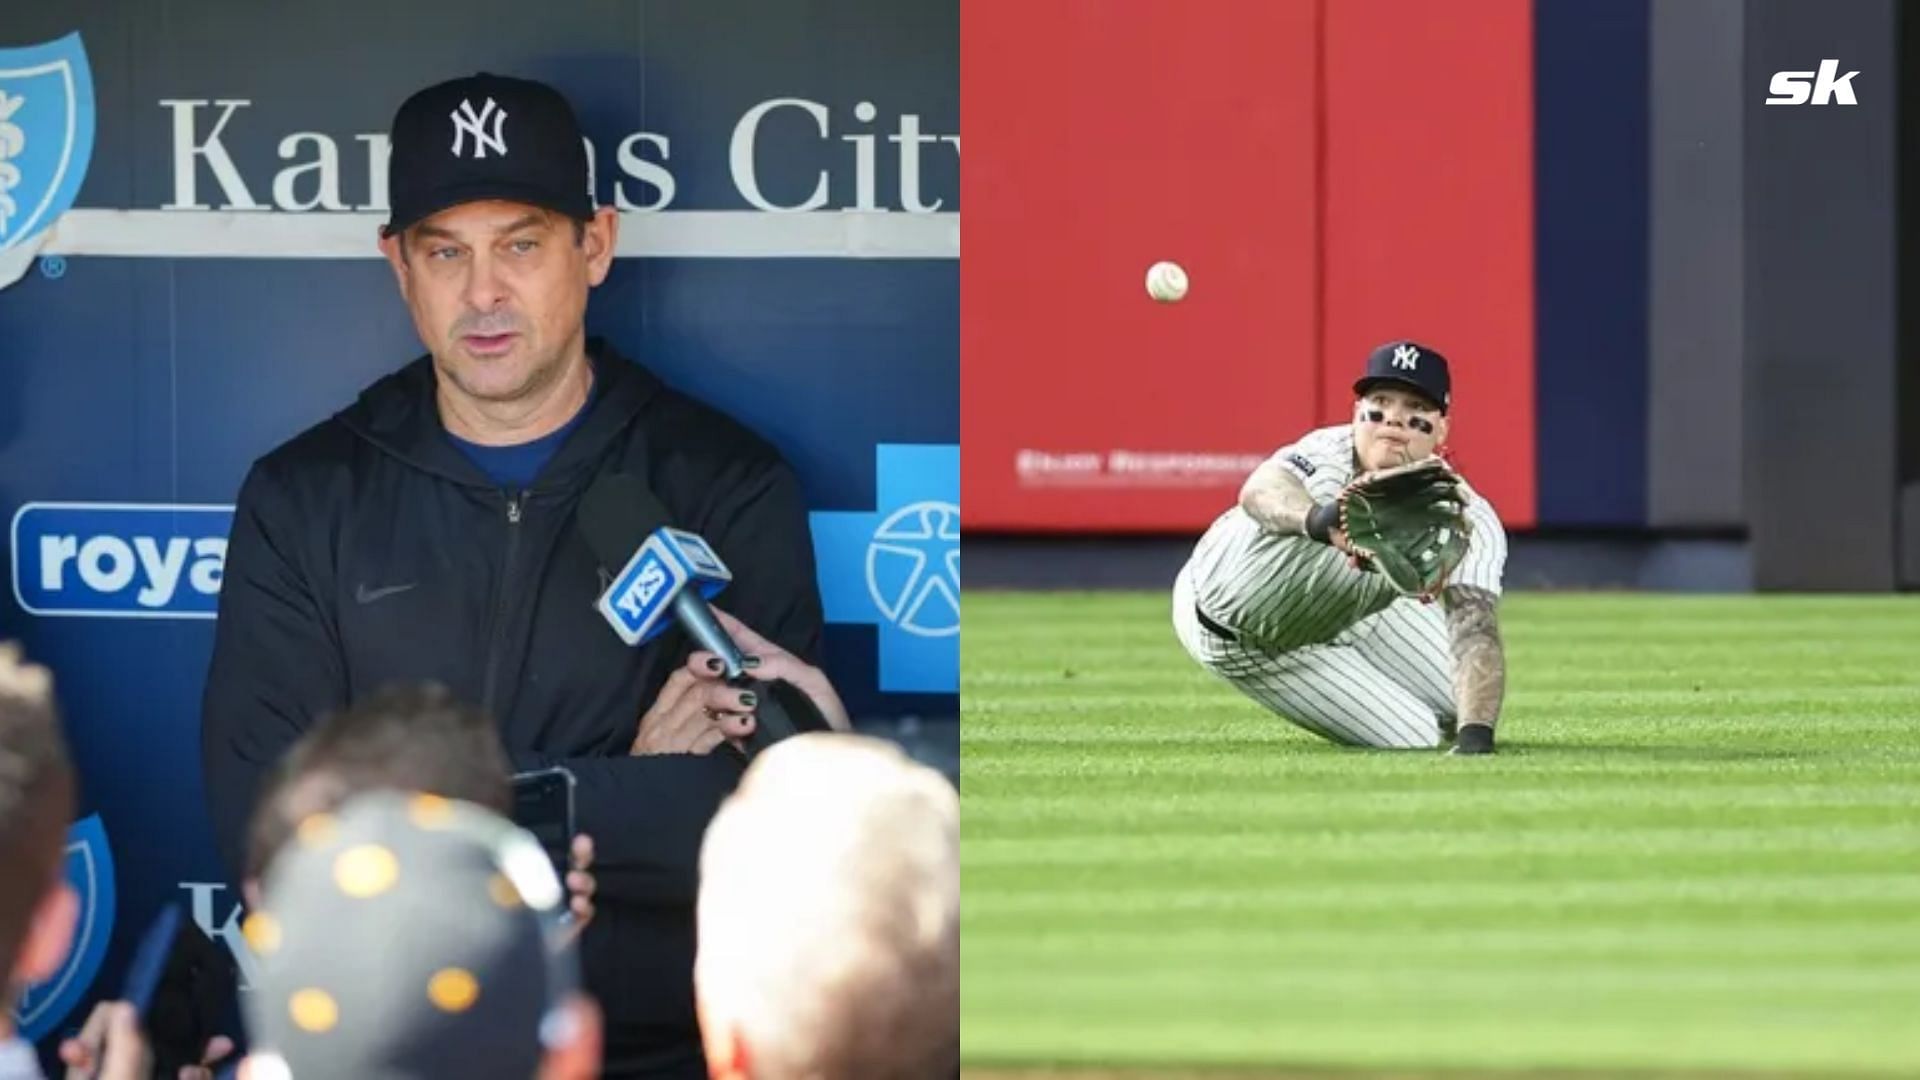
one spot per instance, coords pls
(1315, 594)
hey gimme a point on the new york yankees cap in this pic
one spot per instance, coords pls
(483, 137)
(1411, 365)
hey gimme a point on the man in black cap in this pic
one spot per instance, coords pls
(404, 935)
(428, 531)
(1275, 602)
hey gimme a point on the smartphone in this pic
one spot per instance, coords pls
(182, 987)
(543, 805)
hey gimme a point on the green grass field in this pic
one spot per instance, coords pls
(1698, 852)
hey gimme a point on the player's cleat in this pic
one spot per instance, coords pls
(1473, 739)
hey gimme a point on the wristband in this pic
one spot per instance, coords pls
(1322, 520)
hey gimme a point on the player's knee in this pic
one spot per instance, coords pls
(1407, 730)
(1428, 740)
(1414, 730)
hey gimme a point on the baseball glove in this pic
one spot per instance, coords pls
(1409, 522)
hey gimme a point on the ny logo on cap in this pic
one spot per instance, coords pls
(466, 122)
(1406, 357)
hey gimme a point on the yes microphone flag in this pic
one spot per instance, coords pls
(639, 602)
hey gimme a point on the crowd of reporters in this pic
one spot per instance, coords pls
(403, 926)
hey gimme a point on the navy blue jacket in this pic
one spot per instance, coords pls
(369, 549)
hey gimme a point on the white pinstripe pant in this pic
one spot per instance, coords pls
(1384, 682)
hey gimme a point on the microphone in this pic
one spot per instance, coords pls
(666, 577)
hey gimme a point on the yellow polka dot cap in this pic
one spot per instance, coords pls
(408, 936)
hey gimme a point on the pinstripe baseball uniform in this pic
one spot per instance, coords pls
(1333, 649)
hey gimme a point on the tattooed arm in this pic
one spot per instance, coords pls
(1276, 498)
(1479, 659)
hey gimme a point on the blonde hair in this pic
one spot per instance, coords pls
(23, 682)
(829, 913)
(36, 799)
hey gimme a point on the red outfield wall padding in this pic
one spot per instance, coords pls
(1429, 216)
(1102, 137)
(1105, 136)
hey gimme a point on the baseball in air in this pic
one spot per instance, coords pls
(1166, 282)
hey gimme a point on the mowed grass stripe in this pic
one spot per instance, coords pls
(1701, 850)
(1753, 941)
(1681, 847)
(1733, 798)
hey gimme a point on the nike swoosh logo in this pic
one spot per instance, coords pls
(368, 596)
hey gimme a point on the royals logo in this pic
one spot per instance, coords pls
(46, 140)
(90, 873)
